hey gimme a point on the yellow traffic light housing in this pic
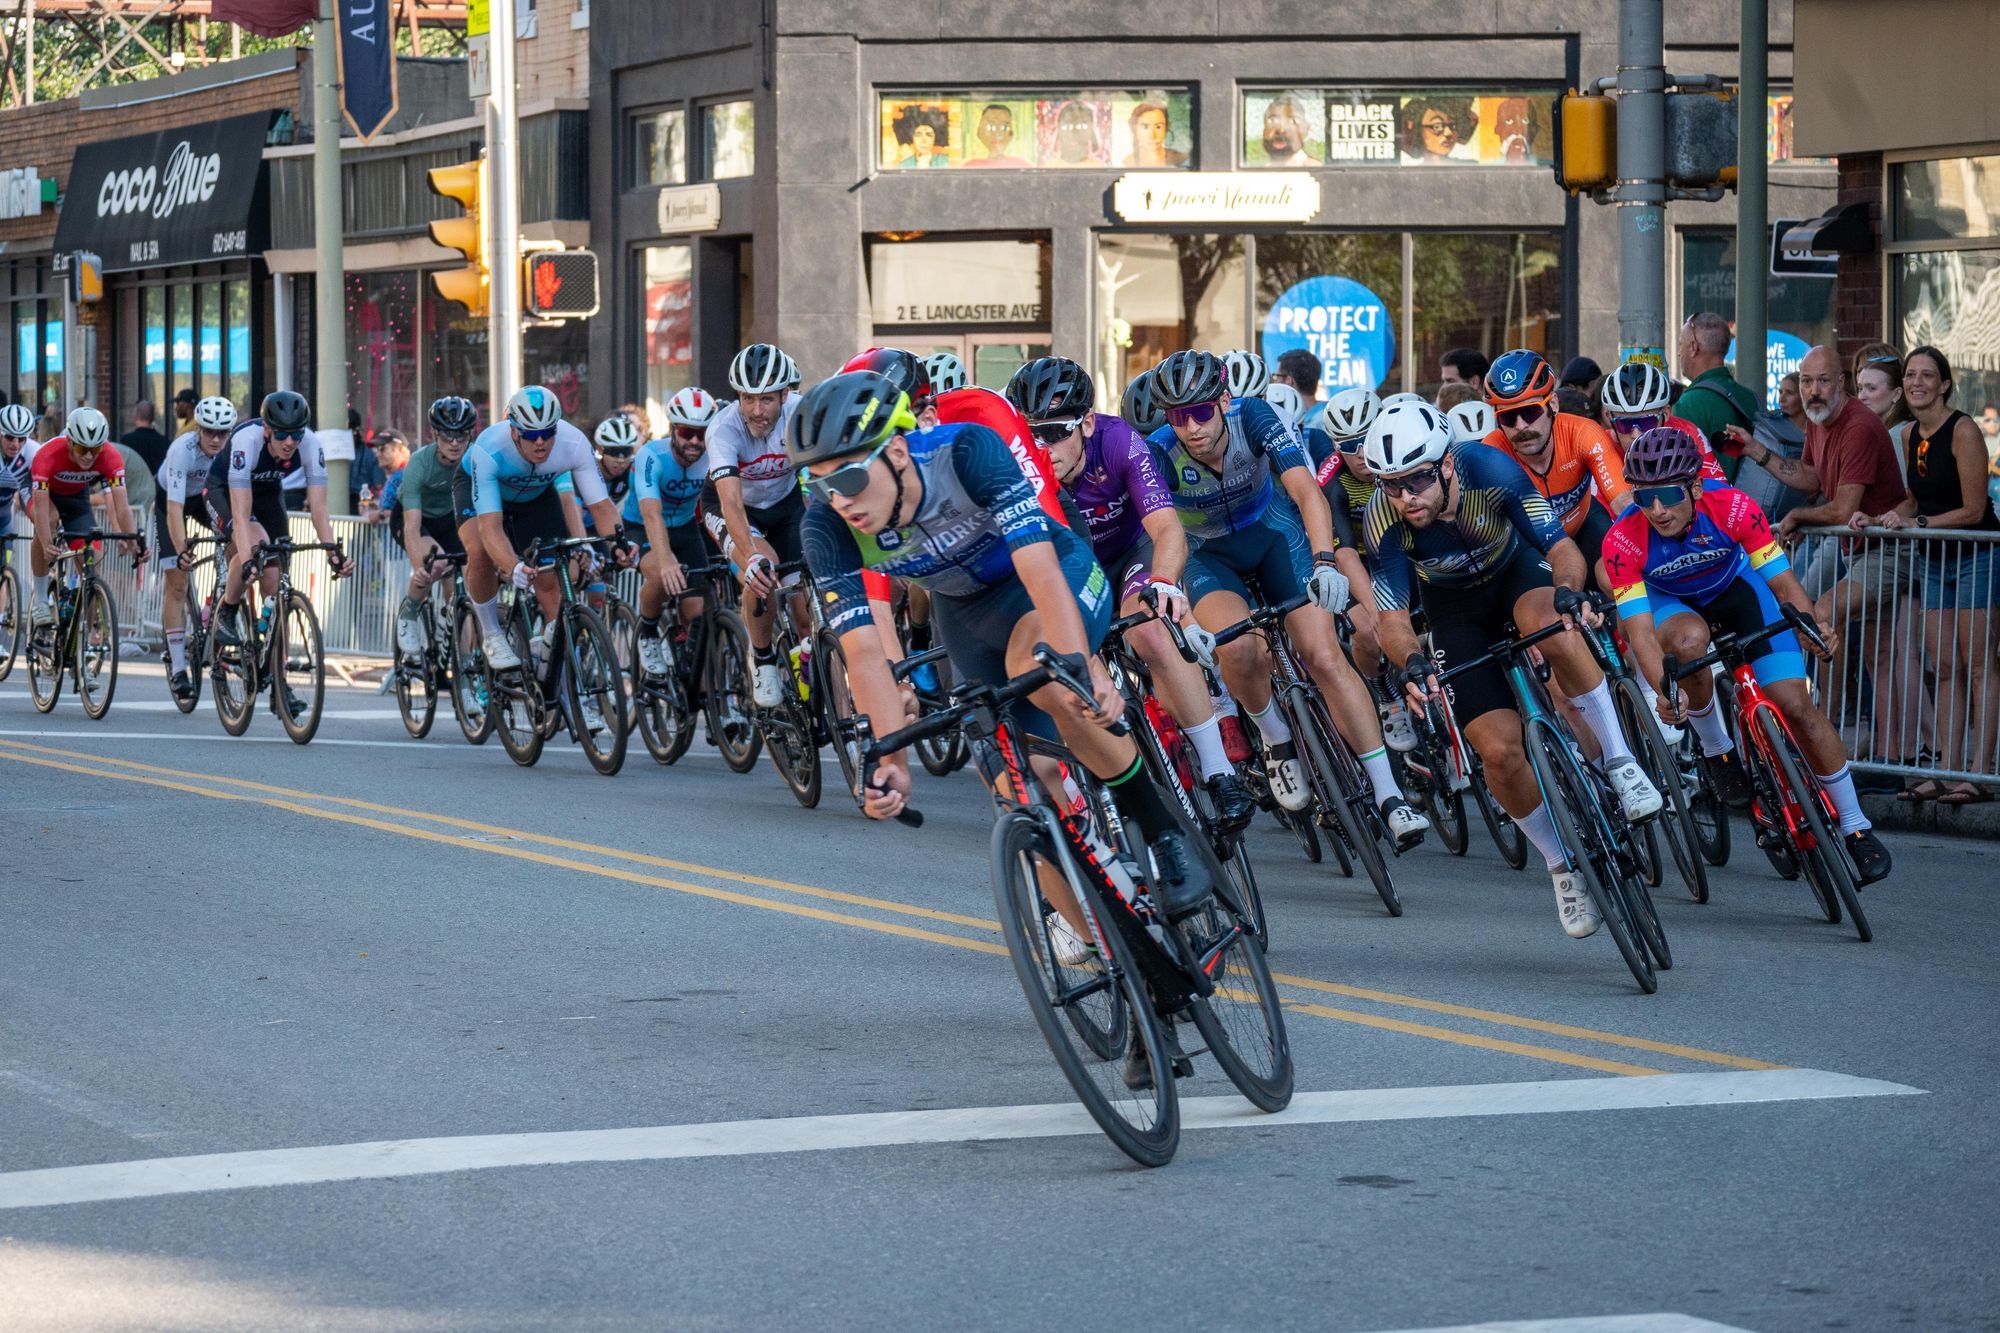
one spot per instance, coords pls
(1586, 142)
(465, 184)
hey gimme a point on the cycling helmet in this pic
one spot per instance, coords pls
(1518, 378)
(616, 433)
(285, 410)
(534, 408)
(1473, 420)
(1662, 456)
(793, 376)
(1189, 377)
(1248, 374)
(947, 372)
(903, 369)
(1137, 407)
(761, 368)
(17, 420)
(691, 408)
(1351, 412)
(1051, 388)
(87, 428)
(454, 416)
(852, 411)
(1637, 387)
(1289, 402)
(1406, 397)
(1405, 437)
(213, 413)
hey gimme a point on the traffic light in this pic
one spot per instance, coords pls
(1586, 142)
(86, 273)
(466, 185)
(1701, 139)
(560, 284)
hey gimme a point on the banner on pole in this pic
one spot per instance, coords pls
(367, 54)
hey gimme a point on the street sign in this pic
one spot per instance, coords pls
(1790, 263)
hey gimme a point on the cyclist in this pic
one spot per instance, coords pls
(949, 507)
(1563, 454)
(945, 372)
(1110, 473)
(617, 440)
(61, 477)
(1681, 565)
(1248, 375)
(182, 477)
(1637, 397)
(514, 487)
(423, 518)
(757, 497)
(666, 489)
(17, 456)
(1136, 407)
(1224, 460)
(1465, 522)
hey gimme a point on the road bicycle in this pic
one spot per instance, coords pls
(662, 707)
(1141, 975)
(450, 664)
(13, 608)
(719, 657)
(946, 752)
(83, 640)
(1789, 807)
(1442, 769)
(280, 650)
(568, 673)
(197, 616)
(792, 731)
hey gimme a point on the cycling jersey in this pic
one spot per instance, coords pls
(501, 476)
(1214, 502)
(426, 483)
(1347, 494)
(1498, 509)
(183, 473)
(62, 477)
(618, 490)
(246, 463)
(1580, 453)
(1117, 486)
(1729, 537)
(16, 481)
(658, 475)
(759, 461)
(976, 406)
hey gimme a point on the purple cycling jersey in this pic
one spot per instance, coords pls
(1119, 485)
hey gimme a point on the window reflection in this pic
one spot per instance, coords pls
(1161, 294)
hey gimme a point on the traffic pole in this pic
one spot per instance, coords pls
(503, 212)
(1641, 195)
(330, 278)
(1753, 241)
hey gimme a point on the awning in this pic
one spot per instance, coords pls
(189, 195)
(1838, 231)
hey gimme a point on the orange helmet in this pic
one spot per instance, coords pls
(1518, 378)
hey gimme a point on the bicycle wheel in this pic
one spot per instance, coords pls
(594, 689)
(1143, 1123)
(298, 667)
(1507, 837)
(1342, 787)
(195, 645)
(788, 738)
(518, 709)
(233, 669)
(1677, 820)
(732, 724)
(1446, 806)
(1242, 1021)
(471, 682)
(96, 643)
(13, 617)
(1824, 855)
(417, 682)
(1705, 807)
(1571, 798)
(836, 705)
(1231, 850)
(623, 624)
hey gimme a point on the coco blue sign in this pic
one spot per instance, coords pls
(1339, 321)
(1782, 354)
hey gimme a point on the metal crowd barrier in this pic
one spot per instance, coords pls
(1915, 684)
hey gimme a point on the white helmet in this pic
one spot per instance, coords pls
(1248, 376)
(1405, 437)
(1635, 388)
(18, 420)
(691, 407)
(1473, 420)
(793, 375)
(1290, 403)
(1395, 398)
(617, 431)
(87, 427)
(534, 408)
(1351, 412)
(215, 413)
(947, 372)
(761, 368)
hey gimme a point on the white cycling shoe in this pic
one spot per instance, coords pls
(1573, 906)
(500, 654)
(1287, 777)
(1407, 824)
(409, 636)
(1636, 794)
(653, 659)
(41, 615)
(1072, 949)
(1399, 733)
(766, 689)
(593, 716)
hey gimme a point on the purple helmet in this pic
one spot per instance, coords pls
(1662, 456)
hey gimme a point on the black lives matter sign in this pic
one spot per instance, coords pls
(1361, 131)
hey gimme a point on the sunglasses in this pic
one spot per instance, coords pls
(536, 436)
(1520, 416)
(849, 479)
(1352, 446)
(614, 450)
(1055, 432)
(1639, 425)
(1647, 496)
(690, 433)
(1194, 414)
(1412, 484)
(288, 434)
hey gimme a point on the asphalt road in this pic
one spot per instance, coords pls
(220, 955)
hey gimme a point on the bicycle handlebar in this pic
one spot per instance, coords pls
(1730, 649)
(1505, 648)
(1138, 618)
(1260, 617)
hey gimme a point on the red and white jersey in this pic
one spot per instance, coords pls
(56, 472)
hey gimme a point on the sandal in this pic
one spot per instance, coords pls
(1924, 789)
(1965, 793)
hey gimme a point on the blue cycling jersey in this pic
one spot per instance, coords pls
(501, 476)
(1498, 508)
(1214, 502)
(657, 475)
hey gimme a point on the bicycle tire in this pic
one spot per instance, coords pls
(1343, 785)
(1447, 811)
(1508, 840)
(836, 702)
(416, 683)
(735, 732)
(592, 674)
(471, 682)
(1676, 821)
(233, 671)
(1243, 1022)
(95, 649)
(1565, 790)
(46, 663)
(195, 646)
(13, 618)
(622, 622)
(1232, 850)
(297, 649)
(519, 709)
(1825, 858)
(789, 740)
(1705, 807)
(1019, 840)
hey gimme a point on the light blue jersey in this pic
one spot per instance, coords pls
(657, 475)
(501, 476)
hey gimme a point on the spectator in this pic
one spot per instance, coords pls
(392, 455)
(1713, 401)
(1582, 372)
(1895, 666)
(1300, 369)
(1877, 377)
(144, 439)
(1451, 394)
(1467, 364)
(184, 411)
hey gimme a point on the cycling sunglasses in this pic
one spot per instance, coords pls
(1351, 445)
(1414, 483)
(536, 436)
(690, 433)
(1647, 496)
(1520, 416)
(615, 450)
(1055, 432)
(277, 434)
(1638, 424)
(1194, 414)
(455, 437)
(849, 479)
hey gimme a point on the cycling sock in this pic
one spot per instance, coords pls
(38, 591)
(177, 649)
(1207, 739)
(1271, 724)
(1708, 729)
(488, 612)
(1140, 801)
(1540, 829)
(1839, 785)
(764, 656)
(1601, 716)
(920, 636)
(1380, 776)
(649, 628)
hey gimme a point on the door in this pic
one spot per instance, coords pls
(990, 358)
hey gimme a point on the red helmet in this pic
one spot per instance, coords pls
(902, 369)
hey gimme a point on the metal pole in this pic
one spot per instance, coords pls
(329, 282)
(1753, 203)
(29, 64)
(1642, 191)
(503, 209)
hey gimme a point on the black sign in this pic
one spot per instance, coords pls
(181, 196)
(1791, 262)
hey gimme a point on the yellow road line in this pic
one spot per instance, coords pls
(1484, 1043)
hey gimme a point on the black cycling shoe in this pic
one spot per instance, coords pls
(1180, 882)
(1726, 776)
(291, 703)
(182, 685)
(1234, 805)
(227, 632)
(1871, 858)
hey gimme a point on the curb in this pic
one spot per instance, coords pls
(1966, 821)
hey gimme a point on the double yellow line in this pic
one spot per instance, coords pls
(408, 823)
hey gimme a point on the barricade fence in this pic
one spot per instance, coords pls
(1914, 686)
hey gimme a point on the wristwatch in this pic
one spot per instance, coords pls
(1323, 557)
(1923, 520)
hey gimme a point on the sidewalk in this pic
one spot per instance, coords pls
(1954, 821)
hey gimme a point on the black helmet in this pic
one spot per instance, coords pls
(1189, 377)
(1141, 413)
(452, 415)
(1051, 388)
(902, 369)
(852, 411)
(285, 410)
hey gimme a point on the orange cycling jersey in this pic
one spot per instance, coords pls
(1580, 452)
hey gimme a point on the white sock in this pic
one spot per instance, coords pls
(1380, 776)
(488, 612)
(1839, 785)
(177, 648)
(1708, 729)
(1541, 830)
(1271, 724)
(1601, 716)
(37, 591)
(1206, 737)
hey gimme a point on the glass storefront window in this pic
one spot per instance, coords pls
(1945, 298)
(667, 346)
(959, 283)
(1493, 291)
(659, 147)
(180, 336)
(558, 357)
(1028, 128)
(1311, 127)
(1799, 309)
(1948, 199)
(236, 375)
(155, 335)
(728, 139)
(382, 351)
(456, 343)
(1338, 296)
(209, 341)
(1161, 294)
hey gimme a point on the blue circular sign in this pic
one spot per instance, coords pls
(1339, 321)
(1782, 354)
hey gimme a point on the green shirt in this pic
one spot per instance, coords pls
(426, 484)
(1720, 402)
